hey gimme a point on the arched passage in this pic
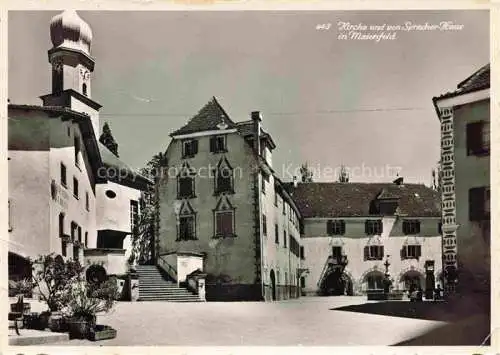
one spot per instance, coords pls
(273, 285)
(96, 274)
(411, 279)
(374, 280)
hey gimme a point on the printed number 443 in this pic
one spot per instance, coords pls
(323, 26)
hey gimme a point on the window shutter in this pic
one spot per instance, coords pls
(403, 252)
(381, 256)
(212, 144)
(475, 204)
(380, 228)
(366, 253)
(419, 251)
(329, 227)
(195, 147)
(417, 226)
(367, 223)
(343, 227)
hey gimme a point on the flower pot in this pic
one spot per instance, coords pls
(57, 323)
(79, 328)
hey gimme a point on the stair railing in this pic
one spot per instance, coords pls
(169, 269)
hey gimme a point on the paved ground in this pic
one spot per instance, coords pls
(306, 321)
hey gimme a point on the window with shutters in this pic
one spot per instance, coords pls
(189, 148)
(218, 144)
(374, 252)
(276, 234)
(373, 227)
(224, 224)
(335, 227)
(478, 138)
(411, 251)
(479, 203)
(411, 227)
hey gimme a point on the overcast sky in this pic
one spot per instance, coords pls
(275, 62)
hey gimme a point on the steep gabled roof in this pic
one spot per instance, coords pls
(335, 199)
(478, 81)
(207, 119)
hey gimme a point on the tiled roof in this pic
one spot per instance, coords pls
(207, 119)
(120, 172)
(478, 81)
(355, 199)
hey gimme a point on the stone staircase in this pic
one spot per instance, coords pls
(154, 287)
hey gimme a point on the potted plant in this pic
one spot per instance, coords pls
(85, 301)
(51, 276)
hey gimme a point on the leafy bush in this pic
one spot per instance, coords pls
(52, 275)
(87, 299)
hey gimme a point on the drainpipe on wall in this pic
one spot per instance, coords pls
(257, 119)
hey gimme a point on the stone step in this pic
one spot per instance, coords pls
(170, 299)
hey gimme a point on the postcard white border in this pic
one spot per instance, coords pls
(229, 5)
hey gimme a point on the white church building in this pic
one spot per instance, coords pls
(68, 193)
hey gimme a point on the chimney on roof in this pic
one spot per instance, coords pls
(256, 119)
(295, 181)
(398, 181)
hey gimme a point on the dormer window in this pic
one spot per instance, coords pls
(411, 227)
(218, 144)
(335, 227)
(189, 148)
(373, 227)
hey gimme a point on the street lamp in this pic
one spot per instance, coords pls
(177, 211)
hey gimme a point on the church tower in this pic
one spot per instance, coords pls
(72, 66)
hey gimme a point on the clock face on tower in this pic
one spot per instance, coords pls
(85, 74)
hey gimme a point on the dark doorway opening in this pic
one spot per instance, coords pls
(273, 286)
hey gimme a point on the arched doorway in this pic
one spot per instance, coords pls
(273, 285)
(374, 280)
(412, 279)
(96, 274)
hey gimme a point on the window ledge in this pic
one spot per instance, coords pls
(220, 236)
(228, 192)
(76, 196)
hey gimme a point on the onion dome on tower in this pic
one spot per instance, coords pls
(68, 30)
